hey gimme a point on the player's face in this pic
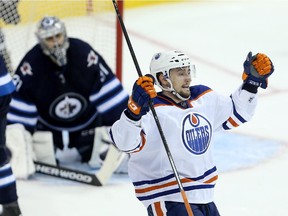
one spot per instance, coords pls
(54, 41)
(181, 79)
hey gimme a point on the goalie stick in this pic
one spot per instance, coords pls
(164, 141)
(100, 178)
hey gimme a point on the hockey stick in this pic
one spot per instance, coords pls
(101, 178)
(176, 174)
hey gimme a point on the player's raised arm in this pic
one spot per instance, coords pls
(128, 132)
(143, 91)
(257, 69)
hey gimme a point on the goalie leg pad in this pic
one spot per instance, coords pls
(106, 155)
(100, 145)
(18, 140)
(43, 147)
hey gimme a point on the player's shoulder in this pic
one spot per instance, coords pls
(162, 100)
(75, 43)
(34, 60)
(199, 90)
(34, 54)
(81, 49)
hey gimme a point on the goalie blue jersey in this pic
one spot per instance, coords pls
(69, 97)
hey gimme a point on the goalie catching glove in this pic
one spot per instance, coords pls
(138, 104)
(257, 69)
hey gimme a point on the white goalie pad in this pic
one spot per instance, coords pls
(19, 140)
(114, 159)
(43, 147)
(100, 145)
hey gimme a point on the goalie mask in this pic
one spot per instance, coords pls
(164, 62)
(52, 36)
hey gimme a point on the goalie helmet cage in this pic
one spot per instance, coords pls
(93, 21)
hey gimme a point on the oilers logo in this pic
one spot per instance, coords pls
(196, 133)
(68, 106)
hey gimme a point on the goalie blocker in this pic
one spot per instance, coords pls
(35, 153)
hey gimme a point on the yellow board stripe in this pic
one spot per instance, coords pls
(34, 10)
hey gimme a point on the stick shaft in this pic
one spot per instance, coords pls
(187, 205)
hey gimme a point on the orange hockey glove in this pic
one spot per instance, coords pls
(143, 91)
(257, 69)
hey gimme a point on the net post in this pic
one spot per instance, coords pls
(119, 41)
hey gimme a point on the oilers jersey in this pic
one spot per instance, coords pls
(70, 97)
(189, 129)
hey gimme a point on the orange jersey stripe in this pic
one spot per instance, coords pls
(233, 122)
(211, 180)
(143, 139)
(161, 186)
(185, 180)
(158, 209)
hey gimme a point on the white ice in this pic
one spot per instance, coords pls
(217, 35)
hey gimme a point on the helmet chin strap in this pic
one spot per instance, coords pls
(179, 96)
(172, 90)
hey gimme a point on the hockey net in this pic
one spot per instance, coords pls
(93, 21)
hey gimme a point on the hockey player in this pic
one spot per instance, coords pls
(65, 87)
(189, 117)
(8, 190)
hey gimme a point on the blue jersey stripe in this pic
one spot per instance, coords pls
(7, 88)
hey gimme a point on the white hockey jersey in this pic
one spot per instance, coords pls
(189, 130)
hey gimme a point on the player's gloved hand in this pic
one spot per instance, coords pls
(143, 90)
(257, 69)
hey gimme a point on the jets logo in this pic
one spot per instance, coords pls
(68, 106)
(196, 133)
(92, 59)
(26, 69)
